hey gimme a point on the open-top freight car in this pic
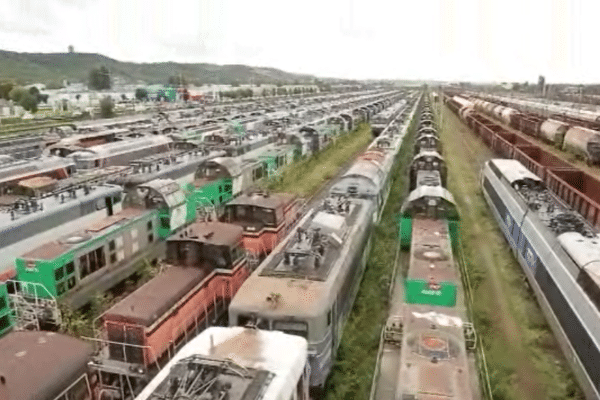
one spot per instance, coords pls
(577, 188)
(568, 135)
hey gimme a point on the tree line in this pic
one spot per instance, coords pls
(26, 98)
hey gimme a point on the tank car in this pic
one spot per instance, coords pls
(45, 366)
(557, 250)
(584, 143)
(235, 364)
(553, 131)
(308, 284)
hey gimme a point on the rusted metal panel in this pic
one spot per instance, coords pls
(40, 365)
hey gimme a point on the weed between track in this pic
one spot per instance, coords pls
(523, 357)
(303, 178)
(306, 177)
(352, 373)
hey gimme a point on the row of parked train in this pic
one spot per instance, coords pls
(63, 241)
(205, 264)
(554, 239)
(121, 143)
(431, 327)
(578, 137)
(180, 123)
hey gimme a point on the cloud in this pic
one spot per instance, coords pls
(513, 40)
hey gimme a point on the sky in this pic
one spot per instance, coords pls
(450, 40)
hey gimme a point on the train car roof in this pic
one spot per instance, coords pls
(14, 170)
(122, 146)
(51, 204)
(252, 361)
(428, 153)
(430, 191)
(273, 200)
(40, 365)
(215, 233)
(585, 252)
(514, 171)
(149, 302)
(368, 169)
(53, 249)
(304, 288)
(431, 254)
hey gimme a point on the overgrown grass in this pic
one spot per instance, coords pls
(352, 373)
(80, 323)
(523, 357)
(306, 177)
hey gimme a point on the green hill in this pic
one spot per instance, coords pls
(54, 67)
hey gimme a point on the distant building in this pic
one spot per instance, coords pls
(161, 92)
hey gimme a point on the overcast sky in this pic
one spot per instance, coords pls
(502, 40)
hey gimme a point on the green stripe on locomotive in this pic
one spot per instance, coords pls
(6, 317)
(405, 231)
(419, 292)
(214, 193)
(62, 274)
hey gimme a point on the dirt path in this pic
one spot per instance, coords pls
(499, 288)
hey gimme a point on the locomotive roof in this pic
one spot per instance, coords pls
(40, 365)
(147, 304)
(304, 290)
(430, 191)
(251, 361)
(94, 229)
(368, 169)
(584, 251)
(123, 146)
(51, 204)
(514, 171)
(215, 233)
(14, 169)
(431, 253)
(446, 377)
(272, 200)
(428, 153)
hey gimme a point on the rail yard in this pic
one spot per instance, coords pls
(387, 243)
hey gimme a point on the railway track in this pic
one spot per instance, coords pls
(508, 318)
